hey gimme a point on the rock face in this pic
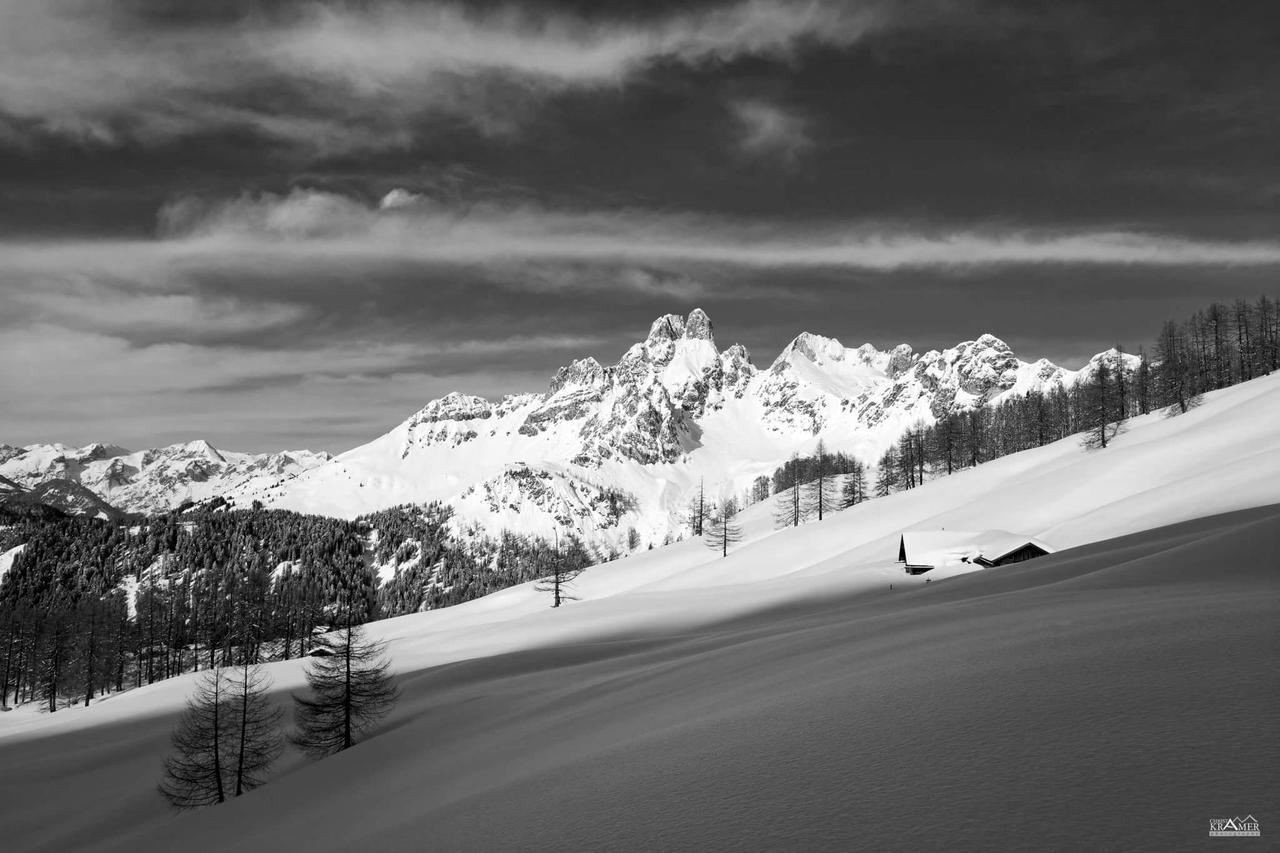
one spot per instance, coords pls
(607, 448)
(153, 480)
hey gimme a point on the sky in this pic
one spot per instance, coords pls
(291, 224)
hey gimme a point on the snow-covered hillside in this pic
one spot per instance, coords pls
(678, 665)
(153, 480)
(608, 448)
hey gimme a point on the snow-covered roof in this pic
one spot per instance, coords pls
(994, 544)
(948, 547)
(936, 547)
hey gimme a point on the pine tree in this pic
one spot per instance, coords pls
(353, 688)
(1121, 385)
(887, 474)
(195, 772)
(819, 493)
(721, 530)
(789, 508)
(1097, 407)
(1142, 383)
(698, 509)
(854, 489)
(1174, 370)
(565, 569)
(255, 726)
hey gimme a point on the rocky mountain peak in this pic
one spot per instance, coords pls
(668, 327)
(199, 447)
(584, 372)
(455, 406)
(901, 358)
(668, 332)
(698, 326)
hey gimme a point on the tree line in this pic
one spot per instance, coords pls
(90, 607)
(1216, 347)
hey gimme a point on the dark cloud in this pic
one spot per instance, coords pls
(194, 239)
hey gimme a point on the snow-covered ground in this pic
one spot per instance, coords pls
(7, 558)
(785, 697)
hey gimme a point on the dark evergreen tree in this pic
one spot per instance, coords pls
(698, 509)
(1120, 373)
(1143, 384)
(352, 689)
(722, 531)
(789, 510)
(1097, 405)
(760, 489)
(887, 474)
(819, 493)
(1175, 376)
(195, 772)
(854, 489)
(254, 724)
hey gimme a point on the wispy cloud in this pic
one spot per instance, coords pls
(326, 224)
(380, 47)
(338, 76)
(769, 130)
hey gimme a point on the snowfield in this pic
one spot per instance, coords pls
(1115, 695)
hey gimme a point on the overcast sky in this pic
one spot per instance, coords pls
(281, 224)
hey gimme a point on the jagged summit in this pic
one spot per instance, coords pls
(673, 327)
(698, 326)
(199, 447)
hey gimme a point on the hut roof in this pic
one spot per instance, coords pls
(948, 547)
(935, 547)
(992, 545)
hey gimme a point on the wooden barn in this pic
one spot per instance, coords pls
(922, 551)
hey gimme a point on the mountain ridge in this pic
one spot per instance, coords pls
(673, 411)
(604, 449)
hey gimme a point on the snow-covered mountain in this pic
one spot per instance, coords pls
(608, 448)
(61, 495)
(152, 480)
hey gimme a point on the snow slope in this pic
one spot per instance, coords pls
(707, 688)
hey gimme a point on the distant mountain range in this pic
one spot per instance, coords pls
(64, 496)
(604, 449)
(151, 480)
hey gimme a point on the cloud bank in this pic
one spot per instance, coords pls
(340, 76)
